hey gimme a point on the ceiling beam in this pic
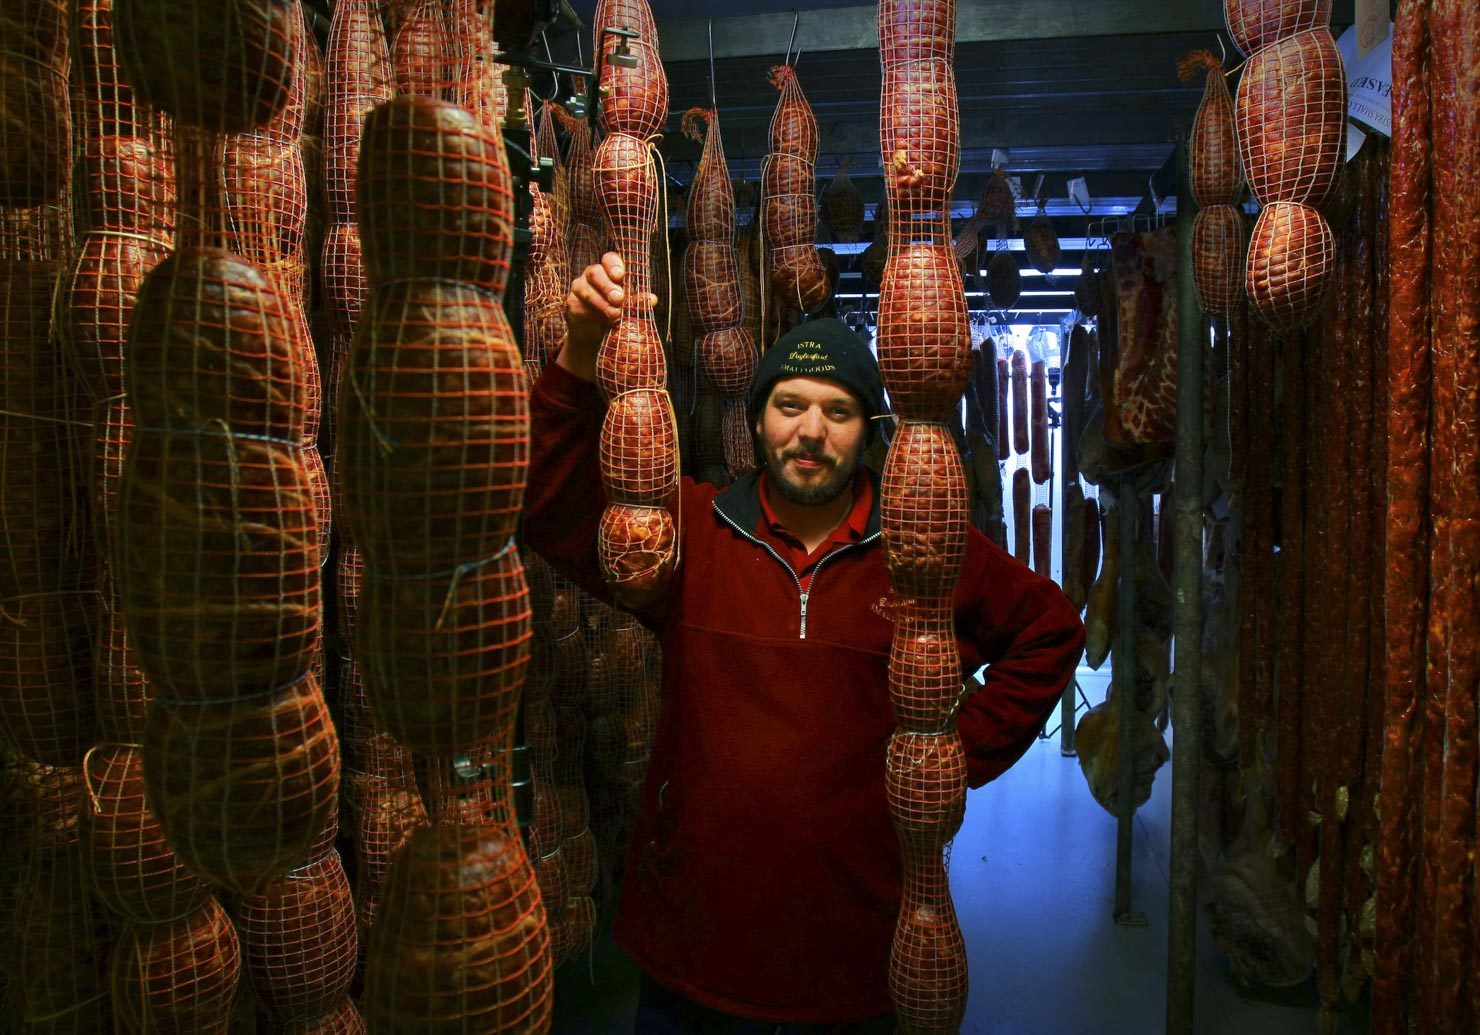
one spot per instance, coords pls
(856, 27)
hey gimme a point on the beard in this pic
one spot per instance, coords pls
(837, 476)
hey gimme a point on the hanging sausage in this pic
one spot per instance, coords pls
(637, 540)
(727, 352)
(924, 344)
(443, 623)
(1291, 118)
(788, 199)
(1217, 179)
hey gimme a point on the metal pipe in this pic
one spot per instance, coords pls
(1124, 674)
(1187, 586)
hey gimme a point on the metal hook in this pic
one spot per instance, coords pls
(713, 104)
(796, 59)
(554, 75)
(1222, 51)
(796, 16)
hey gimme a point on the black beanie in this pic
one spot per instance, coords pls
(825, 348)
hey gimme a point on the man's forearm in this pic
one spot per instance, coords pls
(578, 358)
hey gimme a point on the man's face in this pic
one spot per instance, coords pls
(812, 433)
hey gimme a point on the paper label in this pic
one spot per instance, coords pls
(999, 157)
(1369, 82)
(1079, 192)
(1372, 26)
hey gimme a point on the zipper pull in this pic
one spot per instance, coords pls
(804, 616)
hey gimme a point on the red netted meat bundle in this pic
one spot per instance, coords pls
(637, 541)
(924, 345)
(788, 199)
(1291, 118)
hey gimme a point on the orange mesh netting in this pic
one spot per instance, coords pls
(585, 209)
(1217, 175)
(358, 74)
(539, 730)
(925, 778)
(342, 1019)
(385, 812)
(842, 204)
(97, 303)
(131, 867)
(635, 98)
(436, 47)
(298, 940)
(1218, 258)
(711, 200)
(35, 117)
(788, 198)
(214, 610)
(46, 709)
(639, 450)
(179, 976)
(927, 963)
(712, 296)
(1292, 118)
(569, 658)
(920, 133)
(547, 273)
(923, 337)
(712, 283)
(214, 342)
(638, 549)
(636, 540)
(1291, 253)
(444, 658)
(342, 271)
(924, 667)
(601, 696)
(626, 182)
(121, 692)
(223, 68)
(350, 577)
(916, 30)
(209, 766)
(1255, 24)
(549, 872)
(739, 442)
(434, 429)
(461, 939)
(435, 198)
(924, 511)
(61, 941)
(925, 357)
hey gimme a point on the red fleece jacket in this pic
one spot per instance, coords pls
(764, 875)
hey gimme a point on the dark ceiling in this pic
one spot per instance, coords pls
(1067, 88)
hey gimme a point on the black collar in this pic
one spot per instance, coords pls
(740, 504)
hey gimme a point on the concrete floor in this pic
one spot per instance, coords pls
(1033, 874)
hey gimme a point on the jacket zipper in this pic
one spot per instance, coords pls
(802, 595)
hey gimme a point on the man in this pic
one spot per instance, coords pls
(764, 876)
